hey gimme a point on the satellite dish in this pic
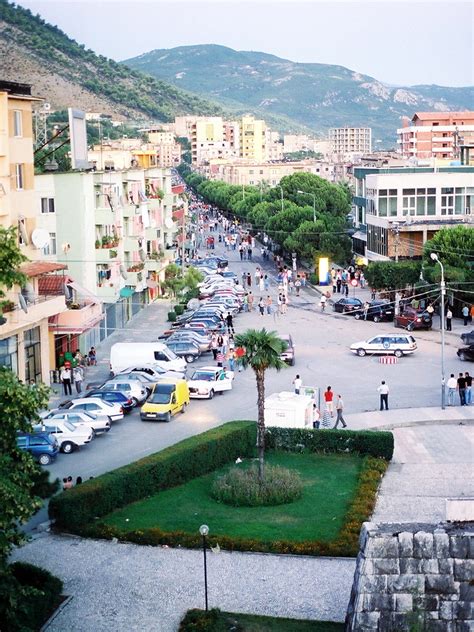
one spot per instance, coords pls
(193, 303)
(169, 222)
(22, 303)
(28, 293)
(142, 254)
(151, 284)
(123, 272)
(40, 238)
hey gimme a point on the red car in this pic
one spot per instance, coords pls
(412, 318)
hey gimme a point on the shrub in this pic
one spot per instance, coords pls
(313, 279)
(241, 487)
(365, 442)
(199, 621)
(171, 316)
(173, 466)
(178, 309)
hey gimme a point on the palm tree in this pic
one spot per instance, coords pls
(262, 351)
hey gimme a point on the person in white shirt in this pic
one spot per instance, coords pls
(383, 392)
(452, 385)
(339, 412)
(297, 382)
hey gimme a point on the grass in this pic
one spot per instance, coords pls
(329, 484)
(227, 621)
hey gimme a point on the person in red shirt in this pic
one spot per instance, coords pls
(328, 397)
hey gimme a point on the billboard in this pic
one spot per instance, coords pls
(78, 136)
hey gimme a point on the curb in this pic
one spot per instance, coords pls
(58, 610)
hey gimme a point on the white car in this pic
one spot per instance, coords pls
(208, 380)
(153, 371)
(68, 436)
(396, 344)
(94, 405)
(133, 389)
(97, 423)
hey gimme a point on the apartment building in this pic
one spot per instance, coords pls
(24, 337)
(252, 139)
(126, 153)
(399, 209)
(269, 173)
(348, 142)
(438, 135)
(302, 142)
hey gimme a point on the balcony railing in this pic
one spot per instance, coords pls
(42, 307)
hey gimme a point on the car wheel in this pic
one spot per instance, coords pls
(183, 408)
(410, 327)
(94, 433)
(462, 356)
(376, 319)
(361, 353)
(211, 394)
(334, 308)
(67, 447)
(398, 353)
(189, 358)
(357, 316)
(134, 401)
(44, 459)
(168, 417)
(292, 363)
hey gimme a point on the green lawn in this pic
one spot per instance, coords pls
(329, 485)
(236, 622)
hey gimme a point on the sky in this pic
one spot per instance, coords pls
(399, 43)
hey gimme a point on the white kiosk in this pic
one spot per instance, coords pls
(289, 410)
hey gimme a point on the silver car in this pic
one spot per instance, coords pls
(97, 423)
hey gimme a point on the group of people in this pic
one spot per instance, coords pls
(73, 372)
(462, 386)
(68, 482)
(324, 419)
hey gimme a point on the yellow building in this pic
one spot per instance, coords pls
(252, 139)
(24, 339)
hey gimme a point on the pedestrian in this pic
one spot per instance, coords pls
(220, 358)
(449, 317)
(339, 411)
(249, 253)
(338, 284)
(78, 377)
(245, 303)
(261, 284)
(362, 280)
(298, 285)
(322, 302)
(257, 275)
(231, 359)
(372, 294)
(284, 303)
(303, 279)
(471, 313)
(92, 355)
(328, 399)
(249, 279)
(250, 299)
(468, 379)
(465, 314)
(68, 484)
(297, 383)
(383, 392)
(316, 417)
(461, 385)
(65, 377)
(266, 282)
(261, 306)
(79, 480)
(346, 289)
(230, 322)
(366, 309)
(244, 279)
(280, 304)
(214, 345)
(268, 304)
(452, 386)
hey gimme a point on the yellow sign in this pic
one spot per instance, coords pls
(323, 269)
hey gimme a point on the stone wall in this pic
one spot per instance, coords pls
(413, 577)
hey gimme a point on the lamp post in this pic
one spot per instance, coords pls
(314, 202)
(435, 258)
(204, 530)
(281, 194)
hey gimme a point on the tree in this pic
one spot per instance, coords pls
(455, 247)
(262, 351)
(10, 259)
(392, 275)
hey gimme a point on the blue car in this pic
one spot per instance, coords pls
(42, 446)
(113, 397)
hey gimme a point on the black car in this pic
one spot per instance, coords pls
(186, 349)
(377, 311)
(348, 305)
(466, 353)
(113, 397)
(468, 337)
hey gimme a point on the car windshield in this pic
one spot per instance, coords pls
(205, 376)
(160, 398)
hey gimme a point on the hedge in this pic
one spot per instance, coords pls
(201, 454)
(364, 442)
(178, 309)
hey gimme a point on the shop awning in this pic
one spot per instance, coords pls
(126, 292)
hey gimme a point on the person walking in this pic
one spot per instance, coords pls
(250, 298)
(261, 306)
(339, 412)
(78, 377)
(449, 317)
(230, 323)
(465, 314)
(322, 302)
(468, 379)
(452, 386)
(261, 284)
(214, 346)
(383, 391)
(328, 399)
(268, 304)
(244, 279)
(298, 285)
(284, 304)
(266, 282)
(220, 358)
(461, 384)
(92, 356)
(280, 304)
(231, 359)
(297, 383)
(471, 313)
(249, 279)
(65, 377)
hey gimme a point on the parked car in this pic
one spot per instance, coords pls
(97, 423)
(167, 399)
(68, 436)
(123, 354)
(203, 342)
(152, 370)
(186, 349)
(395, 344)
(348, 305)
(466, 353)
(130, 388)
(227, 274)
(468, 337)
(288, 354)
(42, 446)
(412, 318)
(94, 405)
(208, 380)
(112, 397)
(378, 310)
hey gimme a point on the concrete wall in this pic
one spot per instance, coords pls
(414, 577)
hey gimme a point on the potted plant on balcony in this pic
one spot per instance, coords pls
(97, 244)
(113, 254)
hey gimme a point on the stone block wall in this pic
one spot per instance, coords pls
(413, 577)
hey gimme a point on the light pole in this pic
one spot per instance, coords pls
(204, 530)
(435, 258)
(314, 202)
(281, 194)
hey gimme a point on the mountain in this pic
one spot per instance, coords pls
(317, 96)
(66, 74)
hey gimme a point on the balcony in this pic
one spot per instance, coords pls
(106, 255)
(104, 217)
(130, 244)
(77, 319)
(155, 265)
(39, 309)
(135, 278)
(107, 292)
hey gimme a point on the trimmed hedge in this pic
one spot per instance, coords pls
(201, 454)
(178, 309)
(171, 316)
(365, 442)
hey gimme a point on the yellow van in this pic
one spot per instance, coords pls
(167, 398)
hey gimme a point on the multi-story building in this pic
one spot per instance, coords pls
(293, 143)
(436, 135)
(348, 142)
(24, 337)
(123, 154)
(232, 136)
(207, 139)
(270, 173)
(252, 139)
(397, 210)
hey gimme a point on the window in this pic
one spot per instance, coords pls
(19, 176)
(50, 249)
(377, 240)
(9, 353)
(409, 202)
(387, 204)
(32, 355)
(38, 441)
(47, 205)
(17, 123)
(447, 201)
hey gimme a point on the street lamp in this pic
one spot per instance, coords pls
(435, 258)
(314, 202)
(204, 530)
(281, 194)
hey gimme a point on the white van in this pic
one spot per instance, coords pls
(125, 354)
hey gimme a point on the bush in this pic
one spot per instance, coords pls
(313, 279)
(171, 316)
(178, 309)
(241, 487)
(365, 442)
(175, 465)
(199, 621)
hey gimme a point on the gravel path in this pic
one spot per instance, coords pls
(124, 587)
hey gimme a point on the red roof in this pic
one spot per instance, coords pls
(39, 268)
(52, 284)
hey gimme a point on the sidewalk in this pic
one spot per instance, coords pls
(406, 417)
